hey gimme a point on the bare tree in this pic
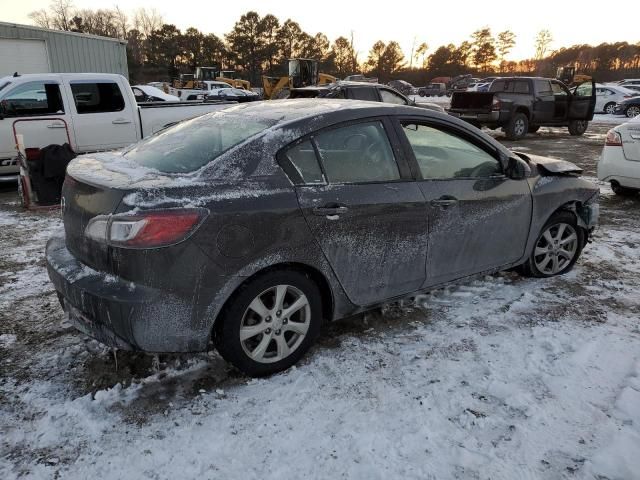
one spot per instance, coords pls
(543, 41)
(147, 21)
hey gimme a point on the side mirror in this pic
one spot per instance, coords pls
(517, 169)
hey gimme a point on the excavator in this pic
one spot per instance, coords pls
(303, 72)
(568, 76)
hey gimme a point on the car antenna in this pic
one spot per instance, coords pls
(15, 74)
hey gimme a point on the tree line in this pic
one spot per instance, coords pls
(258, 45)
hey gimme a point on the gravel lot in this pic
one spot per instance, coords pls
(501, 378)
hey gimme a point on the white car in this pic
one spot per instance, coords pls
(629, 81)
(608, 95)
(148, 93)
(620, 160)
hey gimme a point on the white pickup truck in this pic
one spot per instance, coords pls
(91, 112)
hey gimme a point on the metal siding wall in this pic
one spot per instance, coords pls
(72, 52)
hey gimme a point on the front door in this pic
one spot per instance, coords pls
(582, 103)
(103, 119)
(365, 211)
(478, 218)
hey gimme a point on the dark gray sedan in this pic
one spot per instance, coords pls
(248, 228)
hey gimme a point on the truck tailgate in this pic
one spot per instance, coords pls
(472, 101)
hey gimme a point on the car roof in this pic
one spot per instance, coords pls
(58, 76)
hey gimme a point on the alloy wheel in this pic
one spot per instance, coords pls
(275, 324)
(633, 111)
(610, 108)
(556, 248)
(519, 127)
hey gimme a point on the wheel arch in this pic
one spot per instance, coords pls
(524, 110)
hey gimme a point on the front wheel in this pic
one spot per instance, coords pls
(270, 323)
(517, 127)
(622, 191)
(633, 111)
(557, 248)
(578, 127)
(421, 93)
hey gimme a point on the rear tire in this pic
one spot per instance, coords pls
(578, 127)
(257, 335)
(421, 93)
(623, 191)
(557, 247)
(517, 127)
(609, 108)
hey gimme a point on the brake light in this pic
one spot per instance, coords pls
(613, 139)
(495, 105)
(152, 229)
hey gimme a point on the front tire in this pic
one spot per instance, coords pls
(622, 191)
(421, 93)
(270, 323)
(632, 111)
(557, 248)
(578, 127)
(517, 127)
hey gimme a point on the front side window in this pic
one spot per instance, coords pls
(33, 98)
(99, 97)
(391, 97)
(557, 89)
(543, 87)
(364, 93)
(443, 155)
(358, 153)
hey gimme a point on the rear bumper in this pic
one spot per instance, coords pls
(120, 313)
(486, 118)
(614, 166)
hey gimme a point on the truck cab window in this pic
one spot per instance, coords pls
(97, 97)
(33, 98)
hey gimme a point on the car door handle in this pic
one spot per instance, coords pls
(444, 202)
(121, 121)
(56, 125)
(327, 210)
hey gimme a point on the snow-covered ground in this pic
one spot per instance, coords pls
(501, 378)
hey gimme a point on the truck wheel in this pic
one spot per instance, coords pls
(622, 191)
(578, 127)
(517, 127)
(557, 248)
(421, 93)
(609, 108)
(534, 128)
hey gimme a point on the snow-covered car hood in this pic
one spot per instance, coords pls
(551, 166)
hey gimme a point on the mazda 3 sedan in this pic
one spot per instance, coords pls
(246, 229)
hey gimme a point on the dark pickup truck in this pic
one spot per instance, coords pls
(520, 105)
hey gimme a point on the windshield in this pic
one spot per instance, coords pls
(192, 144)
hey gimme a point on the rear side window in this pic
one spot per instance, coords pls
(304, 160)
(33, 98)
(521, 87)
(364, 93)
(358, 153)
(510, 86)
(97, 97)
(194, 143)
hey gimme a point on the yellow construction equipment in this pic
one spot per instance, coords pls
(194, 81)
(303, 72)
(568, 76)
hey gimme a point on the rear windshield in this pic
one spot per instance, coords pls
(193, 143)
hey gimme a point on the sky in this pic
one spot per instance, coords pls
(435, 23)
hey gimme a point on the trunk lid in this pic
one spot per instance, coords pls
(96, 185)
(630, 133)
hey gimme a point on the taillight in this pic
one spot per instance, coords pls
(151, 229)
(613, 139)
(495, 105)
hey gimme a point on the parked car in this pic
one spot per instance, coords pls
(481, 85)
(374, 92)
(520, 105)
(270, 218)
(607, 96)
(360, 78)
(433, 90)
(236, 95)
(89, 111)
(147, 93)
(629, 107)
(630, 81)
(634, 88)
(402, 86)
(620, 160)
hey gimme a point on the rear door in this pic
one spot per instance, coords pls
(582, 102)
(630, 133)
(544, 105)
(365, 210)
(478, 218)
(103, 118)
(39, 112)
